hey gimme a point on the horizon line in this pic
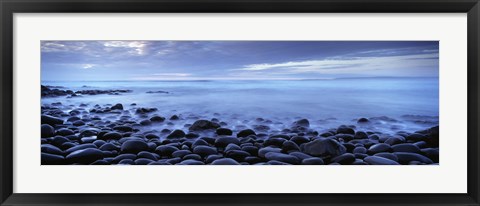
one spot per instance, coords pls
(240, 79)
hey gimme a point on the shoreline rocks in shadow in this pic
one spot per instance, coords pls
(115, 134)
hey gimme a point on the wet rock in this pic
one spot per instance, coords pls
(109, 147)
(126, 162)
(200, 142)
(345, 130)
(121, 157)
(200, 125)
(322, 147)
(432, 153)
(50, 149)
(380, 147)
(117, 107)
(387, 155)
(278, 142)
(157, 118)
(301, 123)
(165, 150)
(252, 160)
(174, 117)
(250, 149)
(204, 150)
(275, 162)
(345, 137)
(143, 161)
(299, 140)
(111, 135)
(363, 120)
(344, 159)
(238, 155)
(360, 135)
(147, 155)
(181, 153)
(145, 122)
(406, 147)
(176, 134)
(406, 157)
(232, 147)
(212, 158)
(395, 140)
(225, 161)
(64, 132)
(134, 146)
(52, 159)
(47, 131)
(360, 150)
(222, 142)
(151, 136)
(245, 133)
(313, 161)
(224, 131)
(288, 146)
(282, 157)
(50, 120)
(85, 156)
(191, 162)
(265, 150)
(377, 160)
(123, 128)
(193, 157)
(80, 147)
(145, 110)
(78, 123)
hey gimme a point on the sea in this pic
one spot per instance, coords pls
(392, 103)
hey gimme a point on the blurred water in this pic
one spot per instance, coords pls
(341, 99)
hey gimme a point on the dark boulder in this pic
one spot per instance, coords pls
(344, 159)
(204, 150)
(47, 119)
(117, 107)
(380, 147)
(203, 125)
(345, 130)
(157, 118)
(225, 161)
(52, 159)
(47, 131)
(224, 131)
(222, 142)
(245, 133)
(176, 134)
(323, 147)
(290, 159)
(313, 161)
(301, 123)
(134, 146)
(377, 160)
(85, 156)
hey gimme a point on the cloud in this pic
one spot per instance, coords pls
(340, 65)
(88, 66)
(134, 47)
(60, 46)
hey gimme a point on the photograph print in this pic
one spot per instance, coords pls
(239, 103)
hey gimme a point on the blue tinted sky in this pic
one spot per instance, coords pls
(175, 60)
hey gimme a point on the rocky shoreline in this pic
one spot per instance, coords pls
(113, 134)
(55, 91)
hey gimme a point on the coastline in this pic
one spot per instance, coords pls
(134, 135)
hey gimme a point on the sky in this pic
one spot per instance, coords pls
(235, 60)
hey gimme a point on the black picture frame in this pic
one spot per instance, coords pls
(10, 7)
